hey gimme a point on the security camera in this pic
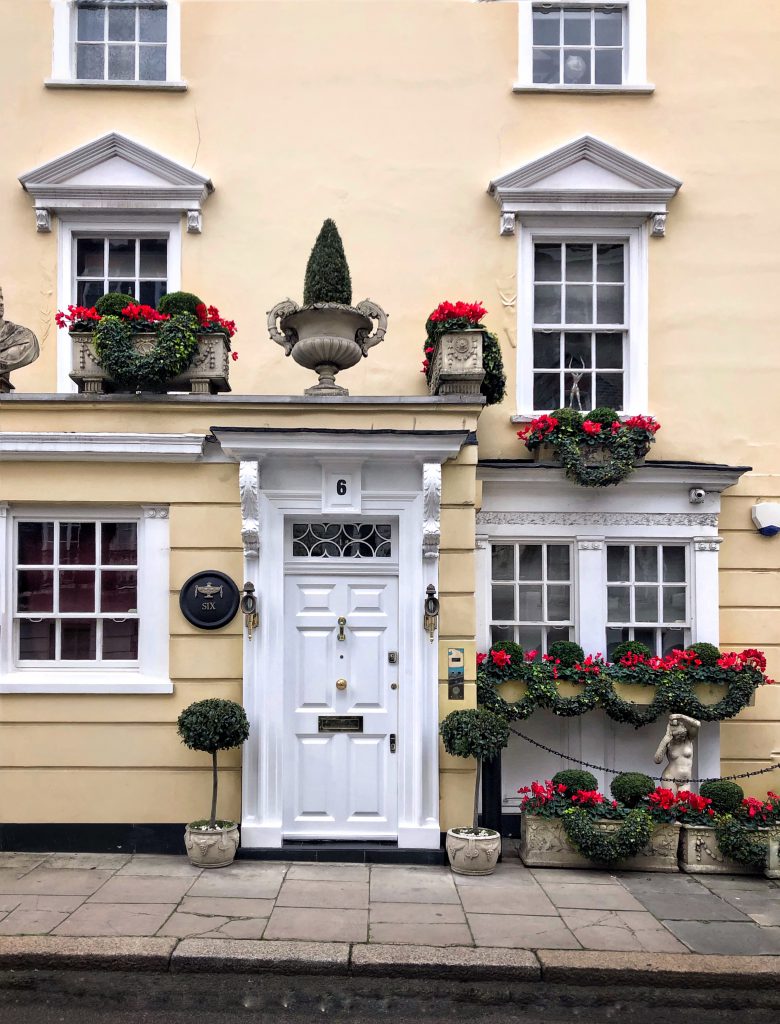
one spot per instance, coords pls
(696, 495)
(766, 518)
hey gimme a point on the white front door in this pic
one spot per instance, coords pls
(341, 716)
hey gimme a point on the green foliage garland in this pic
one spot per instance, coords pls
(327, 272)
(494, 385)
(632, 835)
(175, 345)
(741, 843)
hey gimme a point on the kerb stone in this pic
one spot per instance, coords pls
(247, 956)
(436, 962)
(591, 967)
(57, 952)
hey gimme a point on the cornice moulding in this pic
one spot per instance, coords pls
(100, 447)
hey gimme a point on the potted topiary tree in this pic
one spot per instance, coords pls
(212, 725)
(481, 734)
(327, 334)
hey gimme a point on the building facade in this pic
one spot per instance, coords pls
(605, 193)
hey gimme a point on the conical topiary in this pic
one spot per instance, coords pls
(327, 273)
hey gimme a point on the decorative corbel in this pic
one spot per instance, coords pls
(194, 222)
(431, 509)
(42, 219)
(249, 489)
(507, 223)
(658, 222)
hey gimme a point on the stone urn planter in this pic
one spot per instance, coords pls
(701, 855)
(456, 364)
(773, 858)
(544, 843)
(326, 337)
(473, 851)
(207, 373)
(212, 847)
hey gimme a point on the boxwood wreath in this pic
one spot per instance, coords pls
(467, 316)
(673, 679)
(631, 836)
(596, 449)
(174, 346)
(742, 843)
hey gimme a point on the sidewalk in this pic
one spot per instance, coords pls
(347, 914)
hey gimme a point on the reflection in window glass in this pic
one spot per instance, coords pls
(578, 46)
(121, 42)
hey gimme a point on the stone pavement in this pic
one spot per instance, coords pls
(94, 895)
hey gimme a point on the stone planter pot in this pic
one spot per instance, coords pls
(773, 858)
(211, 847)
(326, 337)
(544, 843)
(456, 364)
(700, 854)
(473, 855)
(207, 373)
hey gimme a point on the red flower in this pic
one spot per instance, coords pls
(76, 315)
(501, 658)
(531, 655)
(473, 312)
(587, 797)
(616, 425)
(643, 423)
(234, 356)
(480, 657)
(591, 428)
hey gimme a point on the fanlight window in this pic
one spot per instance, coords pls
(342, 540)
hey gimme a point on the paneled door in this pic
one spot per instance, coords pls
(341, 692)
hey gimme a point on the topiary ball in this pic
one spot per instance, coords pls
(179, 302)
(568, 653)
(474, 732)
(515, 651)
(603, 415)
(708, 654)
(569, 420)
(631, 647)
(574, 779)
(212, 725)
(726, 796)
(112, 303)
(630, 788)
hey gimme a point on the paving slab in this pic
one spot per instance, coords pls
(760, 907)
(571, 876)
(620, 930)
(59, 953)
(727, 937)
(416, 913)
(427, 934)
(247, 956)
(328, 872)
(527, 932)
(657, 969)
(740, 883)
(154, 864)
(526, 899)
(93, 919)
(31, 922)
(64, 904)
(412, 885)
(318, 924)
(8, 903)
(256, 882)
(143, 889)
(246, 928)
(85, 861)
(661, 881)
(343, 895)
(53, 882)
(507, 873)
(227, 906)
(20, 862)
(182, 926)
(703, 906)
(601, 897)
(417, 961)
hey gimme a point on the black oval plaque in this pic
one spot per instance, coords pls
(209, 600)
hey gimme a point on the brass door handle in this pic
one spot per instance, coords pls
(342, 623)
(341, 684)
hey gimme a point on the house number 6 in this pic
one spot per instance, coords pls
(341, 487)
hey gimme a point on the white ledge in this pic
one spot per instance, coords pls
(585, 90)
(88, 83)
(56, 681)
(77, 447)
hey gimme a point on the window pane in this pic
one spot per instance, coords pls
(557, 633)
(547, 67)
(610, 262)
(646, 604)
(150, 292)
(529, 561)
(609, 390)
(579, 262)
(618, 608)
(609, 67)
(78, 639)
(35, 590)
(503, 603)
(121, 23)
(615, 637)
(558, 604)
(577, 391)
(610, 304)
(617, 563)
(118, 591)
(609, 351)
(579, 304)
(529, 604)
(77, 543)
(672, 640)
(503, 559)
(557, 562)
(88, 292)
(90, 24)
(35, 545)
(151, 63)
(576, 67)
(646, 563)
(499, 633)
(118, 543)
(576, 350)
(674, 564)
(77, 591)
(530, 638)
(89, 257)
(120, 640)
(648, 637)
(90, 61)
(674, 604)
(153, 25)
(576, 27)
(154, 257)
(547, 350)
(121, 63)
(37, 640)
(121, 257)
(547, 27)
(547, 391)
(547, 262)
(609, 28)
(125, 287)
(547, 304)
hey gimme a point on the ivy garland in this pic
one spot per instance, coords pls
(741, 843)
(607, 847)
(133, 370)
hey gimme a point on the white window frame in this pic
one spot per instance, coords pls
(119, 224)
(581, 229)
(151, 674)
(634, 56)
(137, 237)
(63, 73)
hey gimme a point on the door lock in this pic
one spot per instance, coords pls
(341, 684)
(392, 742)
(342, 623)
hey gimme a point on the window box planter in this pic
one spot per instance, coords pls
(456, 364)
(544, 844)
(546, 455)
(700, 854)
(207, 373)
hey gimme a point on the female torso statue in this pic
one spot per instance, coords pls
(677, 746)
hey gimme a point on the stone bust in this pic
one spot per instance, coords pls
(18, 345)
(677, 747)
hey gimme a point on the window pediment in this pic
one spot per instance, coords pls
(115, 172)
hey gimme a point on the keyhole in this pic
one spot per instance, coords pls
(341, 657)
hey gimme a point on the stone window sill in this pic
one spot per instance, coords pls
(588, 90)
(54, 681)
(73, 83)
